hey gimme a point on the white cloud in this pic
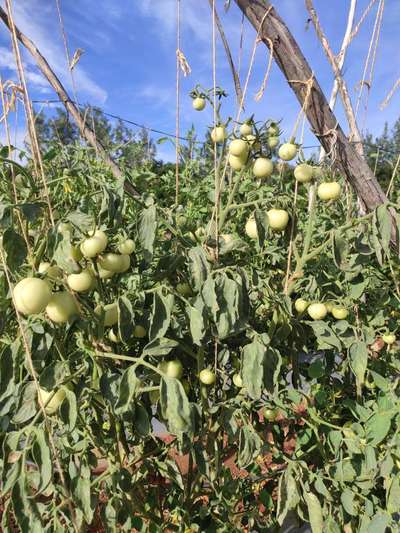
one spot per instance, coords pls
(37, 21)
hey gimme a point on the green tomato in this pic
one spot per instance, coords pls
(207, 377)
(245, 129)
(114, 262)
(105, 274)
(252, 141)
(389, 338)
(237, 163)
(329, 306)
(173, 369)
(110, 313)
(227, 238)
(76, 253)
(300, 305)
(184, 289)
(154, 396)
(287, 151)
(239, 148)
(64, 227)
(53, 272)
(139, 332)
(237, 380)
(263, 167)
(62, 307)
(199, 103)
(329, 190)
(273, 142)
(92, 247)
(251, 228)
(340, 313)
(218, 134)
(31, 296)
(317, 172)
(127, 247)
(304, 173)
(269, 414)
(277, 219)
(113, 336)
(317, 311)
(273, 129)
(81, 282)
(51, 406)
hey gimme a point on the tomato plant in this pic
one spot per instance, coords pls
(209, 366)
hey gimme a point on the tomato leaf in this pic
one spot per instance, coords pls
(147, 231)
(198, 266)
(175, 406)
(378, 426)
(253, 368)
(69, 410)
(41, 456)
(15, 248)
(358, 354)
(314, 512)
(160, 314)
(126, 319)
(128, 386)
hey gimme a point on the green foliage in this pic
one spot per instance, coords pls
(141, 449)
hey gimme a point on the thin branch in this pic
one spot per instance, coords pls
(49, 74)
(342, 87)
(236, 80)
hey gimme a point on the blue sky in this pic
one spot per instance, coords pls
(128, 67)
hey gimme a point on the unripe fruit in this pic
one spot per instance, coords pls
(62, 307)
(340, 313)
(269, 414)
(300, 305)
(317, 172)
(237, 380)
(114, 262)
(127, 247)
(245, 129)
(389, 338)
(173, 369)
(207, 377)
(227, 238)
(53, 272)
(76, 253)
(237, 163)
(113, 336)
(239, 148)
(287, 151)
(251, 228)
(273, 142)
(273, 129)
(52, 405)
(263, 167)
(105, 274)
(329, 306)
(199, 103)
(92, 247)
(64, 227)
(252, 141)
(277, 219)
(80, 282)
(317, 311)
(218, 134)
(329, 190)
(31, 296)
(184, 289)
(110, 313)
(303, 173)
(139, 332)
